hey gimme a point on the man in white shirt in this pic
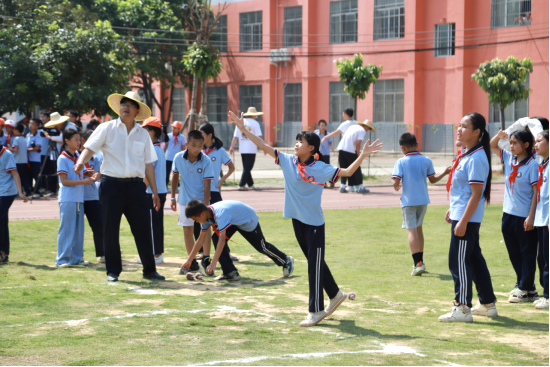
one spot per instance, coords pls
(349, 147)
(128, 154)
(247, 148)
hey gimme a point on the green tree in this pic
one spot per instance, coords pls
(356, 77)
(504, 81)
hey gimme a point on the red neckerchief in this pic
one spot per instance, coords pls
(3, 150)
(9, 138)
(539, 182)
(175, 139)
(74, 159)
(208, 151)
(77, 154)
(455, 164)
(306, 176)
(412, 153)
(156, 144)
(514, 174)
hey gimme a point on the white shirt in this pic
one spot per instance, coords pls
(351, 137)
(245, 145)
(59, 139)
(124, 155)
(344, 126)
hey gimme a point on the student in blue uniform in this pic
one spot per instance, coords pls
(175, 144)
(469, 186)
(3, 136)
(10, 187)
(19, 150)
(304, 177)
(195, 170)
(34, 145)
(519, 206)
(92, 208)
(70, 238)
(154, 127)
(541, 215)
(410, 172)
(227, 218)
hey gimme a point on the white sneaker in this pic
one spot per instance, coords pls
(313, 318)
(537, 301)
(158, 260)
(543, 304)
(419, 269)
(335, 302)
(350, 188)
(518, 296)
(65, 265)
(489, 310)
(101, 259)
(459, 313)
(82, 262)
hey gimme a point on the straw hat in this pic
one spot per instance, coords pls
(56, 119)
(368, 124)
(114, 102)
(252, 112)
(177, 124)
(152, 121)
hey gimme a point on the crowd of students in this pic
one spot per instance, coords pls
(195, 164)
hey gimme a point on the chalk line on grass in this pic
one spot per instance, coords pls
(144, 291)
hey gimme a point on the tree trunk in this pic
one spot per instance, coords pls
(192, 111)
(204, 101)
(502, 124)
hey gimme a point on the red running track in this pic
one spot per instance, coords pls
(269, 201)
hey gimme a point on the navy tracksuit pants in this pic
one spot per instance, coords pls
(543, 251)
(522, 250)
(24, 176)
(157, 224)
(312, 242)
(92, 209)
(257, 240)
(35, 171)
(467, 265)
(5, 204)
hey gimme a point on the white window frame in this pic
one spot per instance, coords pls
(250, 31)
(342, 20)
(338, 96)
(293, 26)
(382, 96)
(217, 103)
(293, 102)
(387, 12)
(505, 12)
(444, 46)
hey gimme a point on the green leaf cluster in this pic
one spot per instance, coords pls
(357, 78)
(504, 80)
(203, 61)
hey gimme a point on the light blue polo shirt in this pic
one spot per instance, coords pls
(69, 194)
(518, 201)
(160, 171)
(541, 215)
(173, 148)
(192, 176)
(44, 142)
(412, 170)
(7, 165)
(217, 157)
(4, 139)
(231, 213)
(472, 169)
(21, 154)
(34, 156)
(324, 148)
(303, 199)
(91, 192)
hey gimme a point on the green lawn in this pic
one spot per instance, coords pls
(71, 316)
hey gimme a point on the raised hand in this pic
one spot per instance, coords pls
(372, 148)
(236, 120)
(502, 135)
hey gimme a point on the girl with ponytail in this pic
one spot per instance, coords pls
(519, 207)
(469, 187)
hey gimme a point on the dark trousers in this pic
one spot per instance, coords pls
(157, 223)
(35, 171)
(128, 198)
(522, 250)
(24, 176)
(168, 171)
(5, 204)
(543, 250)
(312, 242)
(467, 265)
(44, 179)
(248, 164)
(326, 158)
(257, 240)
(52, 179)
(92, 209)
(345, 159)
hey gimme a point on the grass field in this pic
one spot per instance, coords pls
(72, 316)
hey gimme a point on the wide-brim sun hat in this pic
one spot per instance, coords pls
(367, 123)
(114, 102)
(252, 112)
(56, 119)
(152, 121)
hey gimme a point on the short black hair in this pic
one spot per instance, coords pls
(20, 127)
(92, 124)
(36, 121)
(45, 113)
(349, 111)
(194, 134)
(86, 134)
(322, 122)
(74, 113)
(131, 101)
(158, 131)
(543, 121)
(408, 140)
(194, 208)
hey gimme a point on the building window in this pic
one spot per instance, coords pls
(389, 19)
(510, 13)
(293, 102)
(293, 26)
(219, 35)
(343, 21)
(444, 40)
(250, 96)
(339, 101)
(251, 31)
(178, 104)
(217, 104)
(389, 101)
(512, 112)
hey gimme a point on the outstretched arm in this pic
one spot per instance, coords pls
(367, 150)
(438, 178)
(331, 135)
(253, 138)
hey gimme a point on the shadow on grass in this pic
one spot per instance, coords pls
(511, 324)
(444, 277)
(349, 327)
(204, 284)
(40, 267)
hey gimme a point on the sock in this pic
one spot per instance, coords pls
(342, 185)
(421, 256)
(416, 258)
(361, 186)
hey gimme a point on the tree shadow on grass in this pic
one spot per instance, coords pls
(511, 324)
(349, 327)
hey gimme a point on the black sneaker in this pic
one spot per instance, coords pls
(4, 259)
(232, 277)
(195, 266)
(206, 260)
(111, 277)
(533, 296)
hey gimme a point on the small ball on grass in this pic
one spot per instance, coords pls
(351, 296)
(190, 276)
(198, 276)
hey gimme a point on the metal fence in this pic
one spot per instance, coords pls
(438, 138)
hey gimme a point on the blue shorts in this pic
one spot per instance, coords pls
(413, 216)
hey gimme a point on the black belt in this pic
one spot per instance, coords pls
(122, 179)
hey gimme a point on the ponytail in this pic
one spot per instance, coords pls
(209, 129)
(478, 123)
